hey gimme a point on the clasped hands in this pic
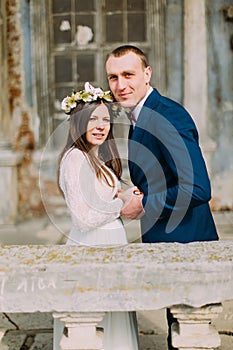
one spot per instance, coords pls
(132, 198)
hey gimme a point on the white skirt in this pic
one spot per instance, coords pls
(120, 328)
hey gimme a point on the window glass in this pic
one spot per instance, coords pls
(62, 30)
(61, 6)
(114, 28)
(136, 5)
(136, 27)
(61, 92)
(63, 69)
(114, 5)
(85, 20)
(84, 5)
(86, 67)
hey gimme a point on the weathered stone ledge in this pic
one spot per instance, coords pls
(130, 277)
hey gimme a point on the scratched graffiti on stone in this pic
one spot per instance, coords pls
(27, 284)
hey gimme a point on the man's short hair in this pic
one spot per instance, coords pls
(124, 49)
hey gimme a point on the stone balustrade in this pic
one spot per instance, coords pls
(79, 284)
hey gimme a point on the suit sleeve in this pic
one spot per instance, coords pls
(182, 165)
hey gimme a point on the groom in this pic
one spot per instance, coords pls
(165, 160)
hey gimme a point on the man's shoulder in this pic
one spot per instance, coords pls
(165, 101)
(163, 104)
(170, 109)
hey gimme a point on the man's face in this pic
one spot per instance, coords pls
(128, 78)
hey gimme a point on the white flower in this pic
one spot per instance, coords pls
(87, 97)
(64, 103)
(89, 94)
(107, 96)
(99, 92)
(88, 87)
(95, 92)
(68, 103)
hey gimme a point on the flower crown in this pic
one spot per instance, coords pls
(89, 94)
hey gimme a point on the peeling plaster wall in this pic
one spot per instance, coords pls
(21, 105)
(15, 69)
(26, 49)
(4, 108)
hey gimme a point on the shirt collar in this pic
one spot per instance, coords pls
(138, 107)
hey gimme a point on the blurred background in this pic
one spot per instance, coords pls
(50, 47)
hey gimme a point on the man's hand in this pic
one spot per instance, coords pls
(132, 199)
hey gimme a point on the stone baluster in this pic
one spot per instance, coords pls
(194, 330)
(81, 332)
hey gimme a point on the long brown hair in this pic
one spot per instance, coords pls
(108, 152)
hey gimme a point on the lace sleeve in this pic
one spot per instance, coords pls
(90, 201)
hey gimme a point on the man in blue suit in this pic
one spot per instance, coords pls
(165, 160)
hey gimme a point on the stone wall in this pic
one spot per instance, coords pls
(20, 117)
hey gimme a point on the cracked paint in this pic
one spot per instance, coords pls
(84, 35)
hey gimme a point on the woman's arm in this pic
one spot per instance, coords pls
(83, 194)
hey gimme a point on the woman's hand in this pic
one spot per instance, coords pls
(132, 199)
(125, 195)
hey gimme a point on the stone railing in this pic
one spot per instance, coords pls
(79, 284)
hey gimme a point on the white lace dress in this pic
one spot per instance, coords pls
(95, 216)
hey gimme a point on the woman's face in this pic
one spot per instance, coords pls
(98, 126)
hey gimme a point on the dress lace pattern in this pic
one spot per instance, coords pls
(91, 201)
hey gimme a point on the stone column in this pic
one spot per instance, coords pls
(194, 330)
(9, 161)
(81, 332)
(157, 52)
(195, 71)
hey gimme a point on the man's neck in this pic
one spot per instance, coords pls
(141, 102)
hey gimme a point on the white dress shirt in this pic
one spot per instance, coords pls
(138, 107)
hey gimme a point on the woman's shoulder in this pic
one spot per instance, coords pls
(74, 155)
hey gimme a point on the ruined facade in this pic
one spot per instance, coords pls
(50, 47)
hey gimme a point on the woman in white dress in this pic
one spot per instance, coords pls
(89, 178)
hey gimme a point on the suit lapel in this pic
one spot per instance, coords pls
(142, 126)
(136, 136)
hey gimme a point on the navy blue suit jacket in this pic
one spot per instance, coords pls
(166, 164)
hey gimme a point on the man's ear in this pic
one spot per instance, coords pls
(148, 73)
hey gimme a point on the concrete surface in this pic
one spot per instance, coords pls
(34, 332)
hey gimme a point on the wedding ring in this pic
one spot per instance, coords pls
(137, 192)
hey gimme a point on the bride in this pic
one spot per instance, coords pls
(89, 178)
